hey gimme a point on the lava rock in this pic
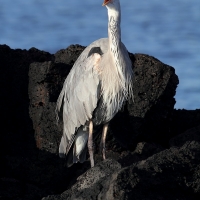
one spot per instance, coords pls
(29, 171)
(183, 120)
(45, 83)
(171, 174)
(148, 117)
(191, 135)
(93, 181)
(147, 141)
(14, 101)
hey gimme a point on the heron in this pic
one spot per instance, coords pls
(98, 84)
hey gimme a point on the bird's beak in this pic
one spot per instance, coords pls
(105, 2)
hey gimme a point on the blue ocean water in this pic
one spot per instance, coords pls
(168, 30)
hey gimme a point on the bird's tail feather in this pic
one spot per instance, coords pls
(70, 156)
(80, 146)
(74, 150)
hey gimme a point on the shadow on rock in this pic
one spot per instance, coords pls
(26, 171)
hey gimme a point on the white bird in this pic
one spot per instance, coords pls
(94, 91)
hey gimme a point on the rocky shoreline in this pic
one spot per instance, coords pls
(153, 150)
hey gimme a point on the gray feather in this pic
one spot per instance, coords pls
(81, 97)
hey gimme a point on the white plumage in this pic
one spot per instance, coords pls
(94, 90)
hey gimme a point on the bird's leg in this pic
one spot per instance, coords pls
(90, 143)
(103, 141)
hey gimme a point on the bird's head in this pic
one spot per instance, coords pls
(113, 7)
(112, 4)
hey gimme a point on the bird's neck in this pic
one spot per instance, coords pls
(114, 30)
(117, 68)
(115, 49)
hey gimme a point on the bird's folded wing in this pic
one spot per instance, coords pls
(79, 96)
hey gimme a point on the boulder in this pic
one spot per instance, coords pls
(27, 172)
(17, 133)
(149, 145)
(148, 117)
(170, 174)
(183, 120)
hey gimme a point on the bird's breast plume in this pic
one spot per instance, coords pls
(117, 67)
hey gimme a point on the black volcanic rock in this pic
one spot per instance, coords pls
(148, 117)
(138, 161)
(14, 101)
(45, 83)
(170, 174)
(29, 172)
(191, 135)
(183, 120)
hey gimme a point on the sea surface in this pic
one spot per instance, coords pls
(168, 30)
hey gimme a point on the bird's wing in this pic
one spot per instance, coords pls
(78, 98)
(101, 43)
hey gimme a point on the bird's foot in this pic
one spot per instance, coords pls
(103, 140)
(103, 151)
(91, 153)
(90, 143)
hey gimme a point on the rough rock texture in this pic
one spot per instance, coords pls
(92, 182)
(171, 174)
(45, 83)
(14, 100)
(183, 120)
(29, 172)
(150, 114)
(152, 149)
